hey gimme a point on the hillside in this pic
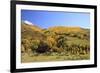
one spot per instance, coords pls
(73, 43)
(31, 32)
(65, 29)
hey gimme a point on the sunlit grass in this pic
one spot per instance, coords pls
(54, 57)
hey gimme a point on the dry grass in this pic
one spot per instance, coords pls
(45, 58)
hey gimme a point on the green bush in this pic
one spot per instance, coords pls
(35, 44)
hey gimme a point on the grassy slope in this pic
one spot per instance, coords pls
(34, 32)
(31, 32)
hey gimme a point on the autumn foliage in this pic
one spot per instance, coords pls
(59, 40)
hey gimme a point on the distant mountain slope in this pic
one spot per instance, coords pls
(35, 32)
(69, 30)
(65, 29)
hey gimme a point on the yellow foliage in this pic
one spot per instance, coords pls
(56, 49)
(51, 41)
(60, 29)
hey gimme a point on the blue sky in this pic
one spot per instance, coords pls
(47, 19)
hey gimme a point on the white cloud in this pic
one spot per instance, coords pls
(28, 22)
